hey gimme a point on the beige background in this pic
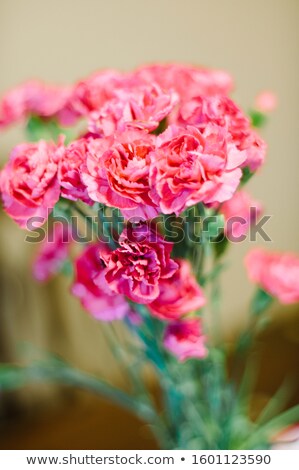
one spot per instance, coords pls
(63, 40)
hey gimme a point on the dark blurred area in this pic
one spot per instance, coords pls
(62, 41)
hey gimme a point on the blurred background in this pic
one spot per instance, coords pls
(64, 40)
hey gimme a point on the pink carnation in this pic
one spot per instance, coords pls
(185, 339)
(139, 108)
(187, 80)
(190, 166)
(33, 98)
(222, 111)
(240, 206)
(52, 252)
(276, 273)
(255, 149)
(96, 297)
(70, 165)
(117, 173)
(179, 295)
(91, 93)
(137, 267)
(29, 184)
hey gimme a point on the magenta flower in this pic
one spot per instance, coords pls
(276, 273)
(92, 289)
(190, 166)
(185, 339)
(71, 161)
(52, 253)
(29, 184)
(117, 173)
(136, 268)
(179, 295)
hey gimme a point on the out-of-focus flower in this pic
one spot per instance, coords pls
(52, 253)
(91, 93)
(71, 161)
(190, 166)
(276, 273)
(238, 213)
(179, 295)
(185, 339)
(188, 81)
(117, 173)
(33, 98)
(141, 108)
(266, 102)
(137, 267)
(96, 297)
(287, 439)
(29, 184)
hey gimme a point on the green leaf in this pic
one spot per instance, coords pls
(62, 210)
(213, 225)
(220, 245)
(46, 129)
(272, 427)
(258, 119)
(246, 176)
(260, 302)
(161, 127)
(55, 370)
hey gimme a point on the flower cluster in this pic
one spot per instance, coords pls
(157, 141)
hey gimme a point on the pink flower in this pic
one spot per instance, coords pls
(190, 166)
(91, 93)
(185, 339)
(12, 106)
(179, 295)
(238, 213)
(276, 273)
(52, 252)
(70, 165)
(222, 111)
(255, 149)
(137, 267)
(266, 101)
(33, 98)
(117, 173)
(139, 108)
(29, 184)
(96, 297)
(187, 80)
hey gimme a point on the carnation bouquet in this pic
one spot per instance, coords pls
(133, 185)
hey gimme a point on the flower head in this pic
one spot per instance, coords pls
(117, 173)
(276, 273)
(91, 288)
(29, 184)
(238, 213)
(70, 165)
(137, 267)
(179, 295)
(185, 339)
(191, 166)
